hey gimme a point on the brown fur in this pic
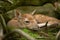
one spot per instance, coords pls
(21, 23)
(19, 20)
(43, 19)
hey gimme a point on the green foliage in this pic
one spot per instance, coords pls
(17, 36)
(33, 34)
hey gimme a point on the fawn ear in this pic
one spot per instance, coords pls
(33, 12)
(17, 13)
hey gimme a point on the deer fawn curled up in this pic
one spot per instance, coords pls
(31, 21)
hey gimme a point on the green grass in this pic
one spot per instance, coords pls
(33, 34)
(36, 35)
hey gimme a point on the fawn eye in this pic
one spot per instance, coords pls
(27, 22)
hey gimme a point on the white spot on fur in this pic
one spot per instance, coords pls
(43, 24)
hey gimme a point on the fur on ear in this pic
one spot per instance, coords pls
(17, 13)
(33, 12)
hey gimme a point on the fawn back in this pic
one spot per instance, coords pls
(42, 19)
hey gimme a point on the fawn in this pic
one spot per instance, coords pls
(32, 21)
(23, 21)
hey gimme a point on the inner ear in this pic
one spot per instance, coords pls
(17, 14)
